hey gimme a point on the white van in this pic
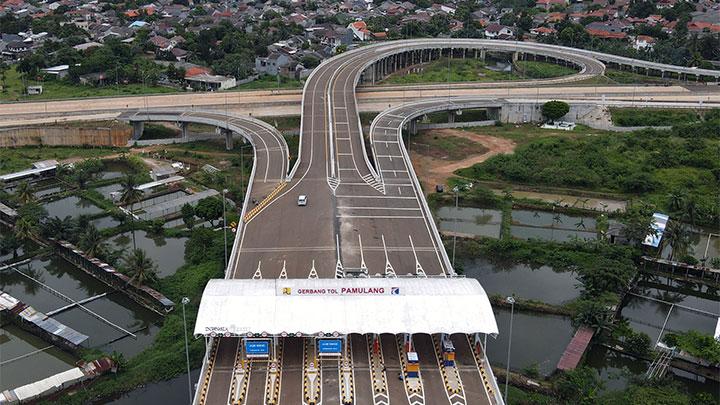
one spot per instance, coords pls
(302, 200)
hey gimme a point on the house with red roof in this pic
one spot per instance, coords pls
(360, 30)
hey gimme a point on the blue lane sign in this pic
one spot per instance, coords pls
(257, 348)
(329, 347)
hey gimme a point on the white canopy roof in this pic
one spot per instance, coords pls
(362, 305)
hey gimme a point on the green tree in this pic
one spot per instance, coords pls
(91, 242)
(677, 237)
(555, 110)
(24, 193)
(59, 228)
(209, 209)
(638, 343)
(188, 215)
(580, 386)
(130, 195)
(637, 221)
(139, 267)
(10, 243)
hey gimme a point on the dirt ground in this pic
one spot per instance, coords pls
(432, 171)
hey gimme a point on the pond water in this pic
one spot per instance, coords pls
(540, 284)
(616, 369)
(71, 206)
(702, 242)
(105, 222)
(173, 391)
(61, 276)
(14, 344)
(471, 222)
(113, 170)
(537, 339)
(551, 226)
(167, 253)
(600, 204)
(648, 313)
(107, 190)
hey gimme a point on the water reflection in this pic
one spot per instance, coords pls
(71, 206)
(537, 339)
(167, 253)
(470, 221)
(540, 284)
(551, 226)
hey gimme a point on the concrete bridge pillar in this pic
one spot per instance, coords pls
(228, 138)
(184, 130)
(412, 126)
(482, 55)
(515, 56)
(138, 128)
(451, 117)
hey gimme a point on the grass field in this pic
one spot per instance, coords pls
(15, 159)
(475, 70)
(60, 89)
(634, 117)
(270, 82)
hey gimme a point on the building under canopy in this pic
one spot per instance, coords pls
(304, 307)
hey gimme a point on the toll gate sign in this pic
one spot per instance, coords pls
(255, 348)
(329, 347)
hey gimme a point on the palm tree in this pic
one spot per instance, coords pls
(139, 267)
(10, 243)
(130, 195)
(25, 229)
(91, 242)
(677, 236)
(62, 229)
(692, 211)
(24, 193)
(676, 201)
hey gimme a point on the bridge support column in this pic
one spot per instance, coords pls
(451, 117)
(228, 138)
(515, 56)
(184, 130)
(412, 127)
(138, 128)
(482, 55)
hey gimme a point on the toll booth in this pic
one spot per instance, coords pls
(413, 365)
(448, 352)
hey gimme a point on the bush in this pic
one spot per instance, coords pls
(579, 386)
(555, 110)
(697, 344)
(638, 343)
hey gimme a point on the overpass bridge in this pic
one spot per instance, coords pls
(366, 228)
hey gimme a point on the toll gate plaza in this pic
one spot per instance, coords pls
(346, 341)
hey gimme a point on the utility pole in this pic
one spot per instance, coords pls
(185, 301)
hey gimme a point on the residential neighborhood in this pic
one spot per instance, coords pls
(184, 44)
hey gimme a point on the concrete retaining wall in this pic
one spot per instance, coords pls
(468, 124)
(65, 136)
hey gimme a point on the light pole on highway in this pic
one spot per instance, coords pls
(185, 301)
(510, 300)
(456, 190)
(224, 192)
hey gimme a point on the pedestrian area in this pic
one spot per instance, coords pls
(346, 341)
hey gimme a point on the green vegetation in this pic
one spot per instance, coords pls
(542, 70)
(554, 110)
(158, 131)
(266, 82)
(661, 167)
(284, 123)
(20, 158)
(697, 344)
(519, 396)
(446, 147)
(635, 117)
(13, 89)
(625, 77)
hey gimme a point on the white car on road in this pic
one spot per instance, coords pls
(302, 200)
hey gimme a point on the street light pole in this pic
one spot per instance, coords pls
(455, 189)
(186, 300)
(224, 192)
(511, 301)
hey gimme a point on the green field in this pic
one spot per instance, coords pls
(475, 70)
(269, 83)
(61, 89)
(635, 117)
